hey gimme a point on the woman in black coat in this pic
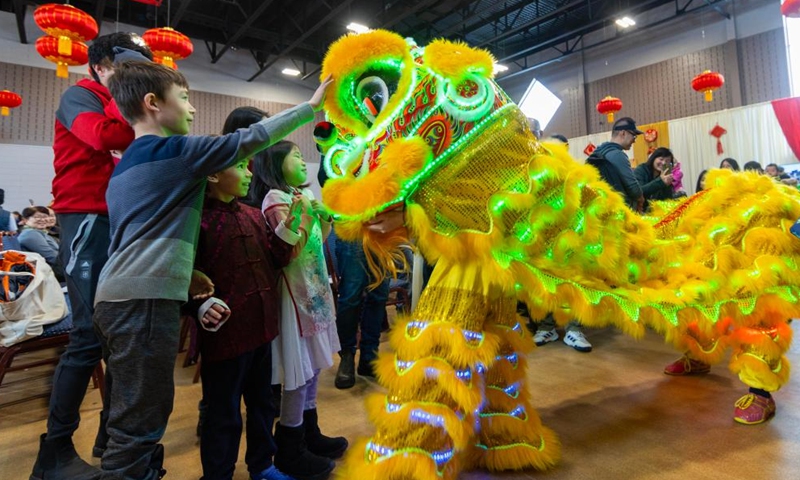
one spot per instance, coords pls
(655, 176)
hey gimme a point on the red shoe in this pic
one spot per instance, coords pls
(687, 366)
(753, 409)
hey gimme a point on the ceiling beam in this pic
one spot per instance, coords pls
(536, 21)
(399, 17)
(180, 13)
(98, 14)
(678, 14)
(342, 7)
(457, 28)
(19, 12)
(241, 31)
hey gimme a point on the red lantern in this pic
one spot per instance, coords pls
(67, 24)
(791, 8)
(707, 82)
(157, 3)
(8, 100)
(48, 48)
(168, 45)
(608, 106)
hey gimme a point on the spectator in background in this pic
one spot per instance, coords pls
(614, 165)
(730, 164)
(34, 237)
(701, 181)
(7, 221)
(655, 176)
(17, 218)
(776, 172)
(8, 227)
(753, 166)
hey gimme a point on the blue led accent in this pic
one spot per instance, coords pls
(422, 416)
(441, 457)
(465, 374)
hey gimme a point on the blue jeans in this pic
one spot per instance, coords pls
(357, 306)
(82, 253)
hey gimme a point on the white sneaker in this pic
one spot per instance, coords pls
(544, 336)
(577, 340)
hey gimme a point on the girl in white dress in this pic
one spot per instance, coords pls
(308, 339)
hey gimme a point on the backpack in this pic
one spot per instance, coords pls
(607, 171)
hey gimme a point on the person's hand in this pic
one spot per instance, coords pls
(215, 314)
(320, 211)
(387, 221)
(295, 216)
(667, 178)
(319, 95)
(640, 205)
(201, 287)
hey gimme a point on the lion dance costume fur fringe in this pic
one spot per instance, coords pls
(506, 217)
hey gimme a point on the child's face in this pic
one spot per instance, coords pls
(233, 182)
(176, 113)
(294, 168)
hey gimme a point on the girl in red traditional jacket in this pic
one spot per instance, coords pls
(242, 256)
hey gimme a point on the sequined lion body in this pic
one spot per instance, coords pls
(506, 217)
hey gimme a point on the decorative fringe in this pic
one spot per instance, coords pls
(542, 453)
(430, 340)
(403, 466)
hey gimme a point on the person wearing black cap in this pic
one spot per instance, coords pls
(614, 165)
(88, 128)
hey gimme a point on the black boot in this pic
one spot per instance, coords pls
(293, 457)
(346, 375)
(58, 460)
(366, 364)
(319, 444)
(101, 440)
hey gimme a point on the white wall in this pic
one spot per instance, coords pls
(27, 172)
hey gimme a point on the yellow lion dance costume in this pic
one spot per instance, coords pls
(506, 217)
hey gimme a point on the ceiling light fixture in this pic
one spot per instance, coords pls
(291, 72)
(625, 22)
(358, 28)
(498, 68)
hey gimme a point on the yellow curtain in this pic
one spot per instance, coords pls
(642, 148)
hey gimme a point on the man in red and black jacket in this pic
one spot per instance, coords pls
(88, 130)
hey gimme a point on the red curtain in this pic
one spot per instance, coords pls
(788, 112)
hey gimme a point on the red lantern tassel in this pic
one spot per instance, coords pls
(4, 111)
(62, 70)
(719, 147)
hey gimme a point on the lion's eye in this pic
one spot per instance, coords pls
(373, 94)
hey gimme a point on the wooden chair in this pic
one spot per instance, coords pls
(8, 355)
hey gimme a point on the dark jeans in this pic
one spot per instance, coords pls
(356, 305)
(82, 253)
(141, 342)
(225, 383)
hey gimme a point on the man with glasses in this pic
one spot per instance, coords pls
(614, 165)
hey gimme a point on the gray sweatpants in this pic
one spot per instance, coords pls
(140, 339)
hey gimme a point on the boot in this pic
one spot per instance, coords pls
(101, 440)
(293, 457)
(319, 444)
(366, 364)
(346, 374)
(58, 460)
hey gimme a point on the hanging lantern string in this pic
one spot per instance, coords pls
(116, 25)
(169, 9)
